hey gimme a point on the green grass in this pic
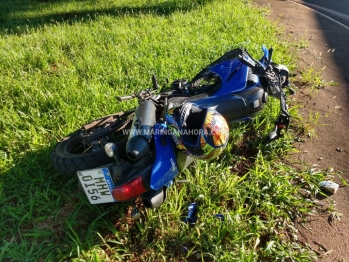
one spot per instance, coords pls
(63, 62)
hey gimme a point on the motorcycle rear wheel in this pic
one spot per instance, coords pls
(77, 152)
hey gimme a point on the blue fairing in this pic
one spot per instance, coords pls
(165, 167)
(233, 75)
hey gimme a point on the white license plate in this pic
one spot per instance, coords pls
(97, 184)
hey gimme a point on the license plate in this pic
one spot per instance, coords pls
(97, 184)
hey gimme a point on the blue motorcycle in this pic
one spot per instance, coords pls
(130, 155)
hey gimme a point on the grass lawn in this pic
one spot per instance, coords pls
(63, 62)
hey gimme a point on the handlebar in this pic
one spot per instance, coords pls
(143, 94)
(122, 98)
(256, 67)
(249, 63)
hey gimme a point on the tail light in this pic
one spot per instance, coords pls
(129, 190)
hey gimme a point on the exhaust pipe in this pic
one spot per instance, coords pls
(137, 146)
(154, 199)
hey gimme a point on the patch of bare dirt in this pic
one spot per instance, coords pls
(325, 49)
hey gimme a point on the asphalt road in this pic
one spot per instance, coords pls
(336, 9)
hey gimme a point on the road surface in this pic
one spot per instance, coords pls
(326, 50)
(336, 9)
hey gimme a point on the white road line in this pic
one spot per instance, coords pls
(328, 10)
(345, 17)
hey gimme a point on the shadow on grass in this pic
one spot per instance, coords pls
(44, 216)
(14, 18)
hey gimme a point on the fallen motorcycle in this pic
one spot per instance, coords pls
(122, 156)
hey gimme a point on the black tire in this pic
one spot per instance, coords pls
(73, 154)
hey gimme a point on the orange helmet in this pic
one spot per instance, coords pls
(198, 131)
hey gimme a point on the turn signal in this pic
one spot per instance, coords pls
(109, 149)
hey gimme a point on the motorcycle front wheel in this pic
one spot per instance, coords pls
(84, 148)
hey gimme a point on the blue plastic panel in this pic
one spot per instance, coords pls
(233, 74)
(165, 167)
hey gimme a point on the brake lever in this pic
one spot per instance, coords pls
(270, 53)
